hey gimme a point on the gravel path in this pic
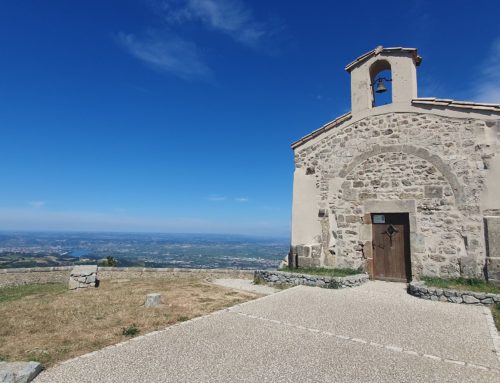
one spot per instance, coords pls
(245, 285)
(372, 333)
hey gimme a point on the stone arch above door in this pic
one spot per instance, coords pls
(434, 159)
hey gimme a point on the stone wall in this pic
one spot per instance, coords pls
(419, 289)
(24, 276)
(281, 277)
(16, 277)
(439, 164)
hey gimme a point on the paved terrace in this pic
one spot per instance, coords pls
(372, 333)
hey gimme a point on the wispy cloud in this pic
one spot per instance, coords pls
(231, 17)
(487, 88)
(166, 53)
(216, 197)
(37, 204)
(242, 199)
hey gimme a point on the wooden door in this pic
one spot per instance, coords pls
(391, 258)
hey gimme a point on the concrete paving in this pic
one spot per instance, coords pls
(245, 285)
(372, 333)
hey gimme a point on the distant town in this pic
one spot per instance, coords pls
(44, 249)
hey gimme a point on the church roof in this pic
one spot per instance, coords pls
(439, 102)
(456, 104)
(324, 128)
(381, 49)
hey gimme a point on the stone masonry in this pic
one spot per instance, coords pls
(391, 171)
(432, 162)
(280, 277)
(83, 277)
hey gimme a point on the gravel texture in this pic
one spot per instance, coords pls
(372, 333)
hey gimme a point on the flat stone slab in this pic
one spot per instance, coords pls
(374, 333)
(19, 372)
(83, 270)
(245, 285)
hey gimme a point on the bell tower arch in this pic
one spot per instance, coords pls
(402, 64)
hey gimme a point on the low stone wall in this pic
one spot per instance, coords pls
(421, 290)
(24, 276)
(278, 277)
(144, 272)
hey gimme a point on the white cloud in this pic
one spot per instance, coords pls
(37, 204)
(487, 87)
(167, 53)
(231, 17)
(216, 197)
(241, 199)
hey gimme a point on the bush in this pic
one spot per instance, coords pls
(109, 262)
(131, 330)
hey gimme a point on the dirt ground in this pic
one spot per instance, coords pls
(49, 324)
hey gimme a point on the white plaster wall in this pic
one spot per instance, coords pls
(306, 226)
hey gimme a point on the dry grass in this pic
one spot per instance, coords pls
(50, 324)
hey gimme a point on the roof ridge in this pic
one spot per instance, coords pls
(379, 49)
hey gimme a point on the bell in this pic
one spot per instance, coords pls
(380, 86)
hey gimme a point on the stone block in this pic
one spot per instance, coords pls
(493, 269)
(492, 234)
(431, 191)
(469, 299)
(73, 284)
(308, 262)
(83, 276)
(84, 270)
(468, 267)
(152, 300)
(19, 372)
(365, 232)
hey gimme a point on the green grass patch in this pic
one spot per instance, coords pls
(322, 271)
(464, 284)
(495, 310)
(13, 293)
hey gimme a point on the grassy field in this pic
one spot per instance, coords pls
(322, 271)
(466, 284)
(49, 324)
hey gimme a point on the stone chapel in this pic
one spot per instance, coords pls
(402, 190)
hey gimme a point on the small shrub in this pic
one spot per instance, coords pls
(183, 318)
(109, 262)
(131, 330)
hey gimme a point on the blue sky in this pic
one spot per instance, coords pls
(177, 115)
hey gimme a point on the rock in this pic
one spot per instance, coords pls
(470, 299)
(83, 276)
(152, 300)
(19, 372)
(73, 284)
(84, 270)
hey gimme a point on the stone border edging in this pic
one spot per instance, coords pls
(276, 277)
(420, 290)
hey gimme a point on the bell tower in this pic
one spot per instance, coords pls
(401, 66)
